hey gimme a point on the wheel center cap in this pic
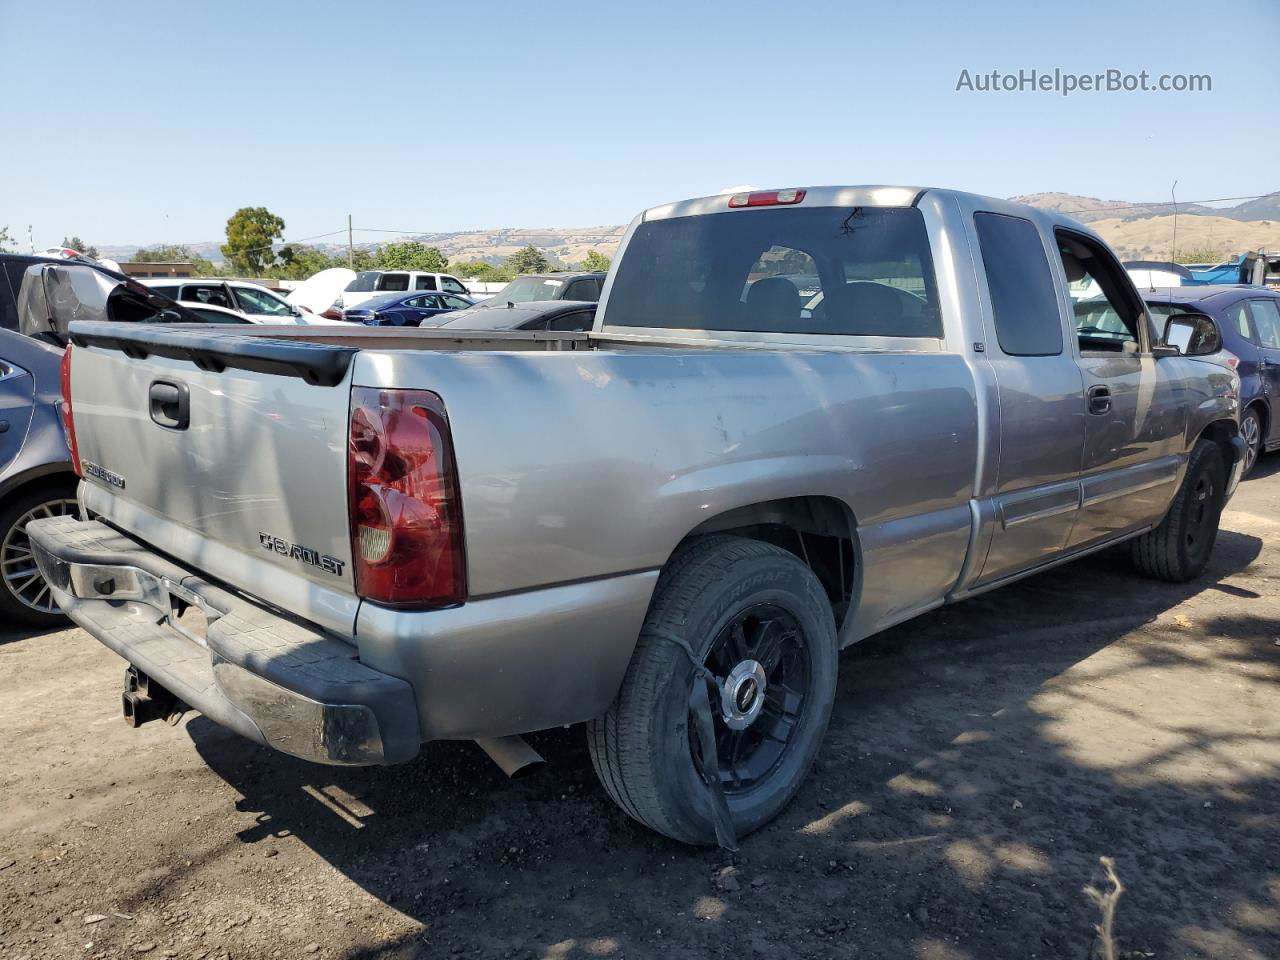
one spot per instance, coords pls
(742, 695)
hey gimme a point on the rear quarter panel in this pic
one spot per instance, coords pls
(578, 465)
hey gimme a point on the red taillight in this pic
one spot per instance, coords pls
(68, 421)
(766, 198)
(406, 515)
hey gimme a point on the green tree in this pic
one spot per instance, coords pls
(170, 253)
(481, 270)
(75, 243)
(411, 255)
(300, 262)
(527, 260)
(1199, 255)
(5, 240)
(595, 260)
(251, 231)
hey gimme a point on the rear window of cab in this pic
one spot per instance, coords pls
(839, 271)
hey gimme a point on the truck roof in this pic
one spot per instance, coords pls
(865, 195)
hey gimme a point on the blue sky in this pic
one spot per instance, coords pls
(145, 121)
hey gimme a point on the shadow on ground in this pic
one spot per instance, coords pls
(979, 762)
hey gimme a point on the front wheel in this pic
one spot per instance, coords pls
(1251, 433)
(1178, 550)
(760, 623)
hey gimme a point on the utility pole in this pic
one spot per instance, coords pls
(351, 255)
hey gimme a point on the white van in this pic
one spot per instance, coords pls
(371, 283)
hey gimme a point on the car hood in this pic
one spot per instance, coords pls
(318, 292)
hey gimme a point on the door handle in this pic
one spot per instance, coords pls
(170, 404)
(1099, 400)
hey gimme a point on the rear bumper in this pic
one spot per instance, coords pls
(277, 682)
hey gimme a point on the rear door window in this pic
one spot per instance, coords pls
(573, 320)
(426, 282)
(394, 282)
(1024, 303)
(1266, 317)
(1237, 317)
(840, 271)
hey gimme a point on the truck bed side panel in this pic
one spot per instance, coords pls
(593, 463)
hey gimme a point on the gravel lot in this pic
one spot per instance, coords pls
(980, 761)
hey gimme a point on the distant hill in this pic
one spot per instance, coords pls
(1145, 231)
(1138, 231)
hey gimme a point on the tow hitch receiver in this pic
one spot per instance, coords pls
(146, 700)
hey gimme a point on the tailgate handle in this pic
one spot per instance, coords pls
(170, 404)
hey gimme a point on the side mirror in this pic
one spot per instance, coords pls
(1192, 335)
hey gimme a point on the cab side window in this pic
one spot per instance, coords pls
(1108, 316)
(1024, 303)
(450, 285)
(424, 283)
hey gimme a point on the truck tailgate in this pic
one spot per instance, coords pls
(236, 466)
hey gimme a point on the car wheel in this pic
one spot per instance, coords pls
(1251, 433)
(1178, 550)
(760, 623)
(24, 596)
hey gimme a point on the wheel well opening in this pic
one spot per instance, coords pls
(55, 481)
(820, 531)
(1264, 415)
(1221, 432)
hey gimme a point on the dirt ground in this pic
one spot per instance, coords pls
(980, 761)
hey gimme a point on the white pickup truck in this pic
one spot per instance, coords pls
(803, 416)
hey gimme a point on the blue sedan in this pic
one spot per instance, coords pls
(1248, 319)
(405, 309)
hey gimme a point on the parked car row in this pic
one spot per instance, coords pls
(800, 417)
(412, 307)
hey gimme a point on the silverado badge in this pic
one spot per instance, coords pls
(103, 474)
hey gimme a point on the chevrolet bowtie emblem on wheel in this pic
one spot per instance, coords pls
(302, 554)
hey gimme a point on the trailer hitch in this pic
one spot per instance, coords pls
(145, 700)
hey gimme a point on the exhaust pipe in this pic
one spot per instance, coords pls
(512, 754)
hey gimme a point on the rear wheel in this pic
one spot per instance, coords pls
(1251, 433)
(1178, 550)
(24, 596)
(760, 623)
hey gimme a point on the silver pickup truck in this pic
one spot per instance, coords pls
(803, 416)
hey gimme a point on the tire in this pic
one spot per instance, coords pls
(1179, 549)
(642, 748)
(23, 599)
(1251, 432)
